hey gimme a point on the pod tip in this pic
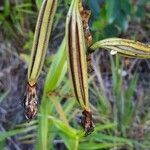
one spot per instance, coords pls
(30, 102)
(87, 122)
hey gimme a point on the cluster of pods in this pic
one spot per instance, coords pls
(78, 38)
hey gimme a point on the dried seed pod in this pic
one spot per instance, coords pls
(87, 122)
(76, 52)
(40, 44)
(30, 102)
(85, 15)
(124, 47)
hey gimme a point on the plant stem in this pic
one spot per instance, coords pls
(59, 109)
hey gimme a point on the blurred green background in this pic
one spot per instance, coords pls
(119, 87)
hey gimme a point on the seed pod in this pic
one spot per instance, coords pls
(40, 44)
(41, 38)
(76, 52)
(124, 47)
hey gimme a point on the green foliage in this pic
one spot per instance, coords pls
(56, 123)
(12, 17)
(113, 17)
(55, 75)
(124, 106)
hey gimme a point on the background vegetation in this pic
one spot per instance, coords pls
(119, 87)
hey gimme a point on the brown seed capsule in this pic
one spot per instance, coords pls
(85, 15)
(87, 122)
(30, 102)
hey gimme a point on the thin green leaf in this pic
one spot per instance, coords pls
(98, 146)
(7, 134)
(57, 70)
